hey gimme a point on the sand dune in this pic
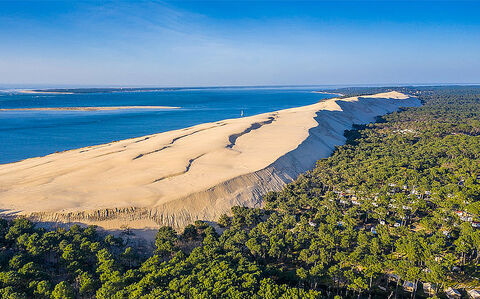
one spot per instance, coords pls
(177, 177)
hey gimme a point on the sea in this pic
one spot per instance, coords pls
(27, 134)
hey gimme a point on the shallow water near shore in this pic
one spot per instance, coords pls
(26, 134)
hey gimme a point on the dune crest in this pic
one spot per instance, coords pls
(196, 173)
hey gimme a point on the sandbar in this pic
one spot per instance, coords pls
(326, 92)
(44, 92)
(106, 108)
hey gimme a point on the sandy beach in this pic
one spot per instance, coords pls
(177, 177)
(107, 108)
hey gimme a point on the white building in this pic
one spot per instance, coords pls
(474, 294)
(409, 286)
(429, 288)
(453, 293)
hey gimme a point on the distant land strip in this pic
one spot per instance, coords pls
(91, 90)
(88, 108)
(133, 89)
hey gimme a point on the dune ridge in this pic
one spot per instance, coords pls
(196, 173)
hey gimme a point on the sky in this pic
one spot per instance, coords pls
(218, 43)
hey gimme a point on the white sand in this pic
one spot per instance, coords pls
(324, 92)
(106, 108)
(177, 177)
(44, 92)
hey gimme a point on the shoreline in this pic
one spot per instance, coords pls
(197, 173)
(91, 108)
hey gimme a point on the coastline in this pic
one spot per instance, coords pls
(196, 173)
(105, 108)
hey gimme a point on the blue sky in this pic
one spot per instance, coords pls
(197, 43)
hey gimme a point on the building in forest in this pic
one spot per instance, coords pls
(453, 293)
(429, 288)
(409, 286)
(474, 294)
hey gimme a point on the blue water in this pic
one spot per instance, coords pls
(26, 134)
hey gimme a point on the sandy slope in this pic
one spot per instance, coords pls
(177, 177)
